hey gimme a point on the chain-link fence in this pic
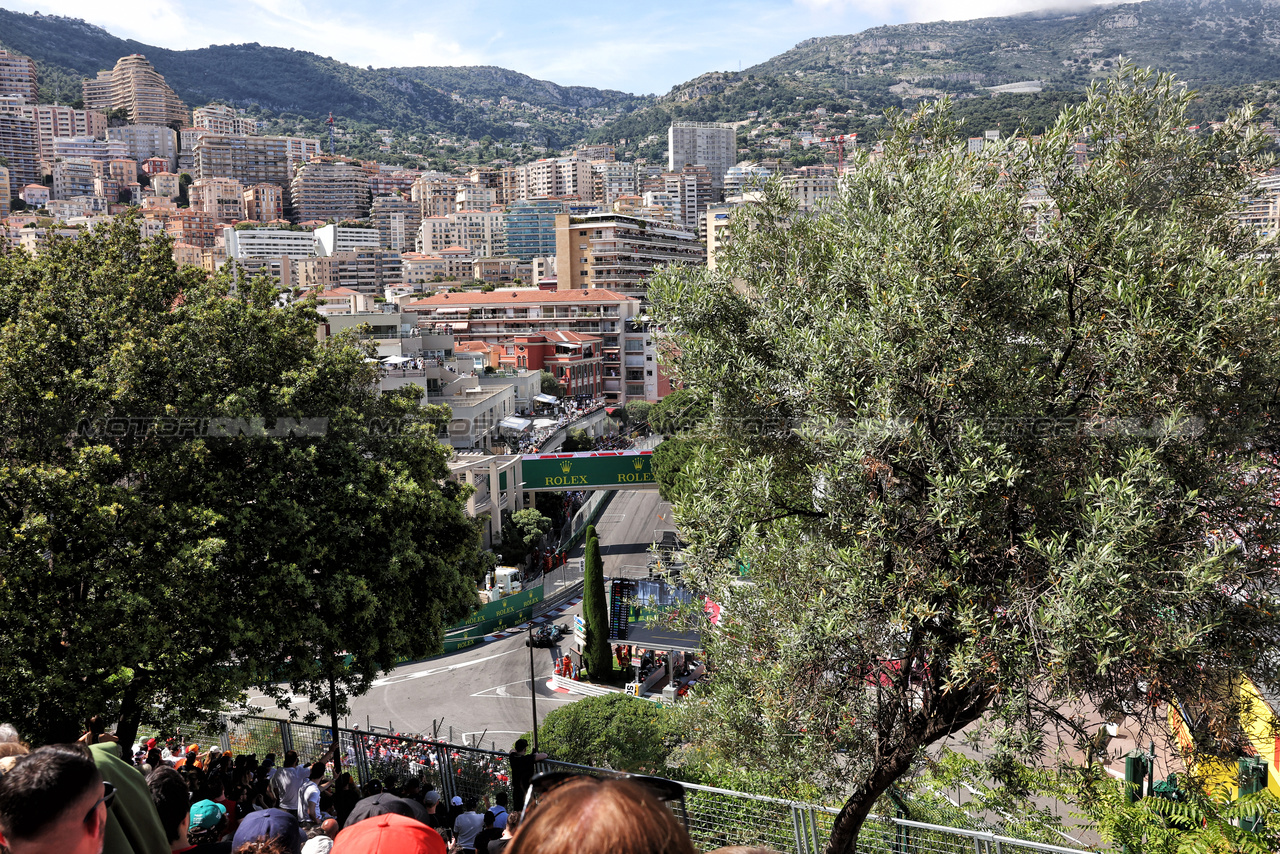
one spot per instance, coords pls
(716, 817)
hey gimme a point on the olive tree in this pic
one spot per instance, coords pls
(987, 435)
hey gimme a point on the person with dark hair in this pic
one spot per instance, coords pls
(513, 824)
(309, 796)
(173, 801)
(588, 815)
(499, 810)
(346, 795)
(54, 801)
(488, 832)
(522, 768)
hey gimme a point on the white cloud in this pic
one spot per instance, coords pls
(127, 19)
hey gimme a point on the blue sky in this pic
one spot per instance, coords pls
(639, 47)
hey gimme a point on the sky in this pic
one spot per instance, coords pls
(640, 47)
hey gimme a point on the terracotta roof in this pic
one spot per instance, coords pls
(516, 296)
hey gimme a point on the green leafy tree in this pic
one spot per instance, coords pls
(596, 651)
(1192, 819)
(550, 385)
(682, 410)
(521, 533)
(577, 440)
(638, 414)
(197, 497)
(615, 731)
(992, 435)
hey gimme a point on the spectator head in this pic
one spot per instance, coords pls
(290, 758)
(431, 800)
(456, 801)
(154, 759)
(269, 826)
(172, 798)
(373, 787)
(522, 745)
(489, 819)
(500, 799)
(54, 800)
(9, 732)
(471, 805)
(263, 846)
(600, 816)
(389, 833)
(329, 827)
(513, 823)
(317, 771)
(207, 822)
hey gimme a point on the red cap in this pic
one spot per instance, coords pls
(388, 834)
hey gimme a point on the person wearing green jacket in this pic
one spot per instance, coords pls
(133, 824)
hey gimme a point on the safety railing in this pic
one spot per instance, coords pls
(717, 817)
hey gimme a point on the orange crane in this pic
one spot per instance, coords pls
(839, 141)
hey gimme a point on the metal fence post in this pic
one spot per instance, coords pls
(813, 830)
(796, 832)
(286, 738)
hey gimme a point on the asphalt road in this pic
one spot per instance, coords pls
(484, 692)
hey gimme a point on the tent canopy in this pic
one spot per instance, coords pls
(546, 398)
(396, 360)
(511, 422)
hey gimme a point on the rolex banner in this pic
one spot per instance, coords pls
(495, 616)
(588, 470)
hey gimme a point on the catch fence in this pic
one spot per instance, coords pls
(716, 817)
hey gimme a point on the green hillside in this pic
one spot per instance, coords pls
(299, 84)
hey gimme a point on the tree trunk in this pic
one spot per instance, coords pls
(130, 720)
(849, 821)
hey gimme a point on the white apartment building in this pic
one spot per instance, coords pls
(482, 232)
(73, 177)
(554, 178)
(710, 144)
(331, 239)
(269, 243)
(613, 179)
(67, 147)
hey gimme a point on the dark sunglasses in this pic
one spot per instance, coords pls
(108, 797)
(669, 792)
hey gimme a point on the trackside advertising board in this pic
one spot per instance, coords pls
(588, 470)
(506, 612)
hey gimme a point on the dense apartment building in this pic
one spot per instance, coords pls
(612, 180)
(221, 197)
(327, 188)
(811, 186)
(554, 178)
(436, 194)
(20, 148)
(243, 243)
(331, 239)
(134, 85)
(368, 271)
(481, 232)
(397, 219)
(53, 122)
(710, 144)
(195, 228)
(73, 177)
(264, 202)
(147, 141)
(530, 226)
(166, 185)
(619, 253)
(18, 76)
(219, 118)
(248, 159)
(90, 148)
(4, 192)
(504, 316)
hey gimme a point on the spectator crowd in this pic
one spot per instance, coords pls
(92, 797)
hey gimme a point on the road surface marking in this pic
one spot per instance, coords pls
(404, 677)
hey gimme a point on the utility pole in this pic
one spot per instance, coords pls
(533, 683)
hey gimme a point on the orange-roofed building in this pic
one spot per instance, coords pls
(623, 348)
